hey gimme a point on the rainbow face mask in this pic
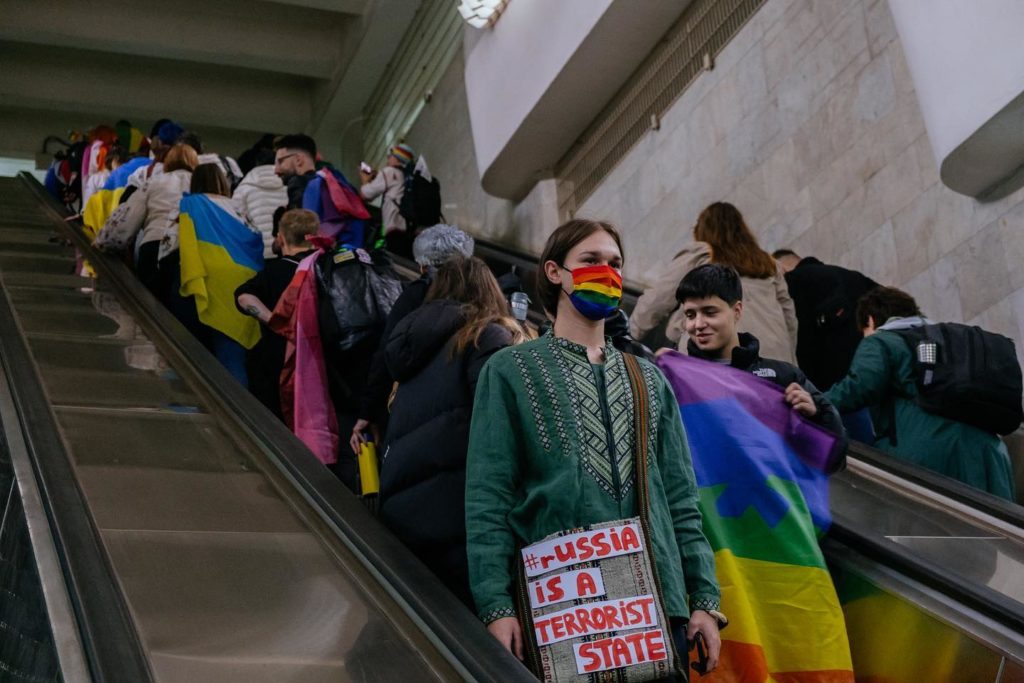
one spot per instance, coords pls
(596, 291)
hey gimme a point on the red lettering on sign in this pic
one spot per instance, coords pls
(630, 541)
(620, 651)
(586, 585)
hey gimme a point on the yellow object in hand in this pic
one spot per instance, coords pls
(368, 476)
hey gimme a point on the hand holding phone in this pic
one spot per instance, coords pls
(701, 665)
(365, 167)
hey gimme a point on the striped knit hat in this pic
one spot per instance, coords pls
(403, 153)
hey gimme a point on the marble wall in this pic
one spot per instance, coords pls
(808, 123)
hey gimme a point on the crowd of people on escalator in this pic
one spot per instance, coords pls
(493, 435)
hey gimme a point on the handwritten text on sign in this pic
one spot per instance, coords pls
(570, 585)
(620, 651)
(584, 546)
(596, 617)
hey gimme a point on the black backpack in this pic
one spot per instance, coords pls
(421, 200)
(357, 294)
(967, 374)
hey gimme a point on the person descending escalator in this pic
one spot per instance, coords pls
(435, 355)
(572, 443)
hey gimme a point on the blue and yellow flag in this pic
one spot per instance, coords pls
(218, 254)
(103, 202)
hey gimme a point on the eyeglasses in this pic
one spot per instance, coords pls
(284, 158)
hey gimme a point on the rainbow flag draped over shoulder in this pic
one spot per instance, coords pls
(218, 254)
(305, 395)
(339, 206)
(763, 490)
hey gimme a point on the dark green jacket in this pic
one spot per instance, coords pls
(882, 379)
(547, 454)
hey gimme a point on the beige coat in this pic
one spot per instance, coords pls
(768, 310)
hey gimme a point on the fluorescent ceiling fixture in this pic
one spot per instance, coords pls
(481, 13)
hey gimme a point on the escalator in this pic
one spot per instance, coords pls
(172, 530)
(166, 524)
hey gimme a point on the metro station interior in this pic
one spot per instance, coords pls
(161, 524)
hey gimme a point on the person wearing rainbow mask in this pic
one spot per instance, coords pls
(552, 447)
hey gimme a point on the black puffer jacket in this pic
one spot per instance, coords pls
(747, 357)
(423, 469)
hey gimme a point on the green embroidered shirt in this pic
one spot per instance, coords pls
(546, 454)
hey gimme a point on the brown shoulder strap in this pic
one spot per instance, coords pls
(641, 409)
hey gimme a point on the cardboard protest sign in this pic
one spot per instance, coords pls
(592, 605)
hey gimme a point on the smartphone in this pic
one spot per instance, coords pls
(365, 167)
(701, 665)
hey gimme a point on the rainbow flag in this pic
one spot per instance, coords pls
(339, 206)
(218, 254)
(305, 394)
(763, 491)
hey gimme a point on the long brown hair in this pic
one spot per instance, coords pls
(559, 244)
(721, 225)
(470, 282)
(209, 179)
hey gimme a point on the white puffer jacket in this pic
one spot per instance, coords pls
(151, 209)
(259, 194)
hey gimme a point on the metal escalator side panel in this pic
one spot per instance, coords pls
(903, 631)
(108, 635)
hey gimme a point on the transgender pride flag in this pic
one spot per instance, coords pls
(764, 500)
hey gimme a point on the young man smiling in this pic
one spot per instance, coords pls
(712, 299)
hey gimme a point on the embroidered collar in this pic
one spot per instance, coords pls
(574, 347)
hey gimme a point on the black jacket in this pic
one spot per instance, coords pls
(423, 469)
(296, 186)
(747, 357)
(265, 360)
(826, 310)
(378, 385)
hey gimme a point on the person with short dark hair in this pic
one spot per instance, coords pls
(553, 446)
(295, 165)
(711, 297)
(321, 188)
(260, 295)
(882, 379)
(825, 297)
(721, 235)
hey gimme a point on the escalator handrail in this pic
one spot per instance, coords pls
(109, 640)
(982, 599)
(452, 627)
(954, 489)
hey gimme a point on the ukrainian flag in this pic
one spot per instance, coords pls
(761, 472)
(99, 207)
(218, 254)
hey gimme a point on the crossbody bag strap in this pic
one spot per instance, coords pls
(641, 409)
